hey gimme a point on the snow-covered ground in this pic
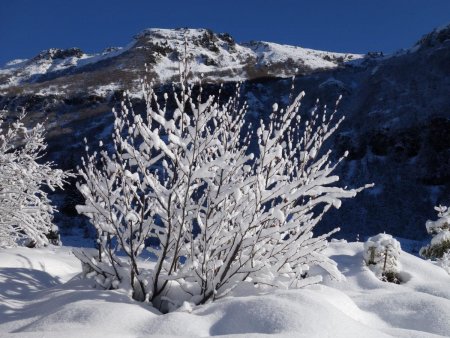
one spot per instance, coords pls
(42, 295)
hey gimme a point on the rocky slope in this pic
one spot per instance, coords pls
(397, 109)
(216, 56)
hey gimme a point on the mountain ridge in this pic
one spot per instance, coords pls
(397, 112)
(216, 56)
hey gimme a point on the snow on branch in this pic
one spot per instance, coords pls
(439, 247)
(220, 214)
(26, 213)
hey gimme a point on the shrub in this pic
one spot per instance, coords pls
(444, 261)
(381, 254)
(26, 213)
(439, 247)
(224, 201)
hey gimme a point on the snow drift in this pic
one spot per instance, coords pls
(42, 294)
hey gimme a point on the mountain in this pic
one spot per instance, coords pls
(217, 56)
(397, 110)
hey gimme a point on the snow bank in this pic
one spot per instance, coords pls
(50, 300)
(56, 262)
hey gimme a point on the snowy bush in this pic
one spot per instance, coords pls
(439, 248)
(223, 202)
(382, 254)
(25, 211)
(440, 230)
(444, 261)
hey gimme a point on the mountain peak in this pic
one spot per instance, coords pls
(56, 53)
(174, 33)
(174, 38)
(215, 55)
(436, 37)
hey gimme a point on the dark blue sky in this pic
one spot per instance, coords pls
(29, 26)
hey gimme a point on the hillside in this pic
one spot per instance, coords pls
(397, 110)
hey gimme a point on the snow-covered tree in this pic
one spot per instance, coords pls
(25, 210)
(382, 256)
(225, 201)
(444, 261)
(439, 248)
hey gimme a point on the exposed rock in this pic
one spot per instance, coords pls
(436, 37)
(56, 53)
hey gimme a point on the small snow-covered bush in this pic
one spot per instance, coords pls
(440, 230)
(222, 201)
(439, 247)
(26, 213)
(444, 261)
(381, 254)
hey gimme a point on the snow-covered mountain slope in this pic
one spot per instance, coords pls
(437, 37)
(216, 56)
(41, 295)
(17, 72)
(397, 112)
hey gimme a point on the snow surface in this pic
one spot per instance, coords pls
(42, 295)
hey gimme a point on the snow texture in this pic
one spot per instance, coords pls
(42, 295)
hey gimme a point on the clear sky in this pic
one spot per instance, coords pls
(29, 26)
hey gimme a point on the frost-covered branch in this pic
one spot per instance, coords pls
(26, 213)
(217, 212)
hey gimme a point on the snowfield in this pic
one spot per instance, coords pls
(43, 295)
